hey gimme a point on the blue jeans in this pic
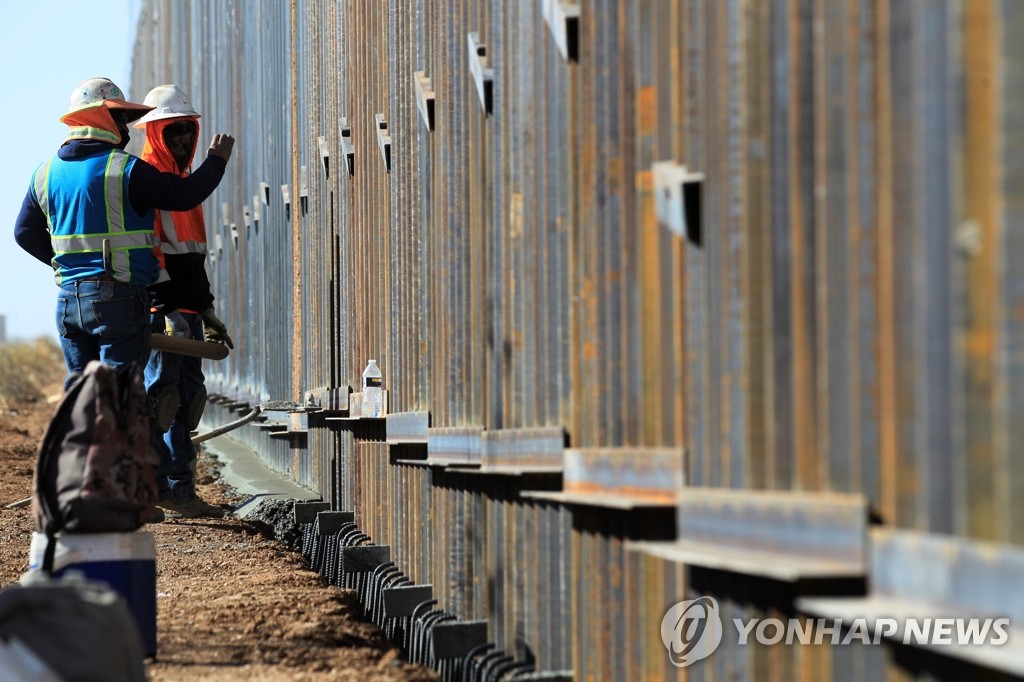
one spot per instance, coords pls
(177, 454)
(102, 320)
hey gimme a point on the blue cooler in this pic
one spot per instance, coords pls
(124, 561)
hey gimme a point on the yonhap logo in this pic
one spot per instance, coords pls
(691, 630)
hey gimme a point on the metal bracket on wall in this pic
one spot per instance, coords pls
(331, 402)
(286, 197)
(234, 234)
(782, 535)
(240, 405)
(303, 189)
(454, 446)
(269, 422)
(619, 478)
(256, 212)
(677, 191)
(298, 429)
(348, 151)
(383, 140)
(425, 99)
(483, 75)
(247, 218)
(361, 428)
(325, 155)
(265, 192)
(563, 19)
(523, 452)
(407, 427)
(917, 576)
(407, 435)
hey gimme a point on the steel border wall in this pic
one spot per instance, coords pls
(789, 375)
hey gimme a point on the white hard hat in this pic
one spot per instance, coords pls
(95, 91)
(168, 101)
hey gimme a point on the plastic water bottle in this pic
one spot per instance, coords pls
(372, 390)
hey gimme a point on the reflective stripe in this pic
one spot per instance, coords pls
(167, 225)
(170, 242)
(42, 190)
(89, 133)
(183, 247)
(121, 266)
(79, 243)
(112, 190)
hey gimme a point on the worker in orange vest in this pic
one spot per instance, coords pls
(182, 305)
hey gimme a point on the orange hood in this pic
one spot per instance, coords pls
(94, 123)
(155, 150)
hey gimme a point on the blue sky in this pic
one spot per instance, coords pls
(55, 44)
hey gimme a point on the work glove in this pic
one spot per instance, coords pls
(175, 324)
(215, 329)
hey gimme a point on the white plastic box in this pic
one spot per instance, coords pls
(124, 561)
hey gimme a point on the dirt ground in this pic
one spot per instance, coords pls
(232, 603)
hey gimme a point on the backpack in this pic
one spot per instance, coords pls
(72, 628)
(96, 467)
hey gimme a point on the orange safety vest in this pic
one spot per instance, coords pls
(179, 233)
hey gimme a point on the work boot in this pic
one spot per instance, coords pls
(152, 515)
(192, 508)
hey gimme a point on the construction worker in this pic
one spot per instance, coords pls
(89, 214)
(182, 305)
